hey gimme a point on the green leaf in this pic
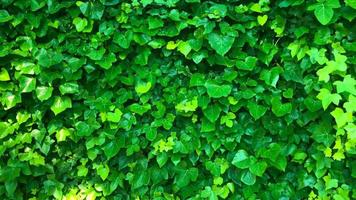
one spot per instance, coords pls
(95, 54)
(324, 13)
(103, 171)
(82, 171)
(123, 39)
(49, 58)
(106, 61)
(10, 187)
(347, 85)
(154, 22)
(241, 159)
(197, 80)
(5, 16)
(114, 116)
(220, 43)
(212, 112)
(69, 88)
(321, 132)
(312, 104)
(142, 87)
(186, 176)
(248, 178)
(27, 84)
(341, 118)
(351, 3)
(76, 63)
(139, 109)
(187, 106)
(62, 134)
(162, 159)
(350, 105)
(80, 23)
(113, 147)
(256, 111)
(280, 109)
(37, 4)
(43, 93)
(262, 20)
(142, 58)
(217, 91)
(228, 119)
(258, 168)
(249, 63)
(83, 129)
(61, 104)
(184, 48)
(4, 75)
(11, 100)
(207, 126)
(327, 98)
(330, 182)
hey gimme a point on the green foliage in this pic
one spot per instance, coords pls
(177, 99)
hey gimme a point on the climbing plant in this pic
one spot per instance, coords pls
(177, 99)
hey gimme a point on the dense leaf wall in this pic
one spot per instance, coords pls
(177, 99)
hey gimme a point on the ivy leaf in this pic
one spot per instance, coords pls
(83, 129)
(341, 118)
(60, 104)
(280, 109)
(241, 159)
(27, 84)
(249, 63)
(96, 54)
(162, 159)
(324, 10)
(113, 147)
(103, 170)
(139, 109)
(80, 23)
(312, 104)
(207, 126)
(256, 111)
(187, 106)
(351, 3)
(184, 177)
(62, 134)
(217, 91)
(49, 58)
(228, 119)
(106, 61)
(123, 39)
(347, 85)
(5, 16)
(327, 98)
(11, 100)
(220, 43)
(142, 87)
(154, 22)
(330, 182)
(212, 112)
(350, 105)
(69, 88)
(248, 178)
(184, 48)
(4, 75)
(262, 20)
(258, 168)
(43, 93)
(321, 132)
(114, 116)
(323, 13)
